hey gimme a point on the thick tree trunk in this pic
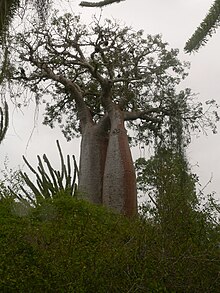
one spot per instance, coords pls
(119, 184)
(92, 162)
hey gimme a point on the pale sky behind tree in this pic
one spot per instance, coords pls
(176, 20)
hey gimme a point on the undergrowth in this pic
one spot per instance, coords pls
(69, 245)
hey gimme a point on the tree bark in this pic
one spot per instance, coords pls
(119, 184)
(92, 162)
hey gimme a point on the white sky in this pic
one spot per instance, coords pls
(176, 20)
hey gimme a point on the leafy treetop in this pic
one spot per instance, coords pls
(75, 63)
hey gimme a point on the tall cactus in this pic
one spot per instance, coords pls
(49, 182)
(4, 121)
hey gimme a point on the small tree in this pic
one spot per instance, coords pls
(167, 180)
(101, 78)
(186, 228)
(166, 177)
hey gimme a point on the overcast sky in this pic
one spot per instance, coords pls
(176, 20)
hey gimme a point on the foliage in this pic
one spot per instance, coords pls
(166, 173)
(185, 220)
(206, 29)
(67, 245)
(8, 9)
(10, 180)
(208, 26)
(166, 179)
(199, 38)
(67, 60)
(48, 183)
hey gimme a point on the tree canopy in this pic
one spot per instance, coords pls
(143, 73)
(199, 38)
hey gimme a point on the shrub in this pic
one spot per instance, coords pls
(69, 245)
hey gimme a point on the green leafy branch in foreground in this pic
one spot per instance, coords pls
(49, 183)
(206, 29)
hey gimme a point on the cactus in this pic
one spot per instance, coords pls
(50, 182)
(4, 120)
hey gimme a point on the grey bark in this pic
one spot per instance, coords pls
(92, 161)
(119, 184)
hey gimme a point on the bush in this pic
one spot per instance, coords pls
(68, 245)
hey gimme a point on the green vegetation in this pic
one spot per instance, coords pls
(68, 245)
(205, 30)
(51, 240)
(49, 181)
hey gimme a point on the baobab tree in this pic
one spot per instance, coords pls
(103, 79)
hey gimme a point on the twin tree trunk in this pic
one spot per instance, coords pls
(107, 174)
(106, 171)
